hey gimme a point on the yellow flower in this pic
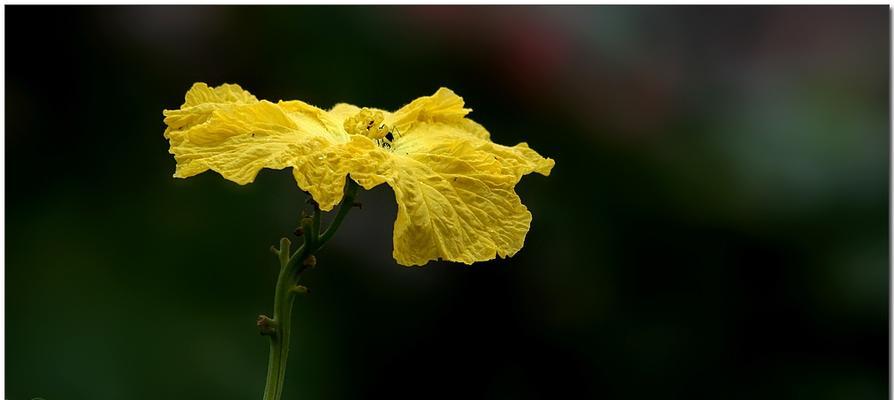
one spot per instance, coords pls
(455, 189)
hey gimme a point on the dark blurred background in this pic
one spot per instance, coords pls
(716, 225)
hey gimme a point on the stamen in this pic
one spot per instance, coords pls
(371, 123)
(363, 122)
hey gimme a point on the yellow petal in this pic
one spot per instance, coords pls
(455, 189)
(444, 106)
(470, 142)
(228, 131)
(201, 101)
(457, 205)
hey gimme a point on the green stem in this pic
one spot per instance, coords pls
(316, 221)
(290, 269)
(282, 312)
(347, 203)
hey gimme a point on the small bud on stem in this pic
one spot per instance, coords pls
(266, 325)
(298, 289)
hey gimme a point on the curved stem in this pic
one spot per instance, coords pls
(347, 203)
(316, 221)
(291, 267)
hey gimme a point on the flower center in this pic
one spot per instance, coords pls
(370, 123)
